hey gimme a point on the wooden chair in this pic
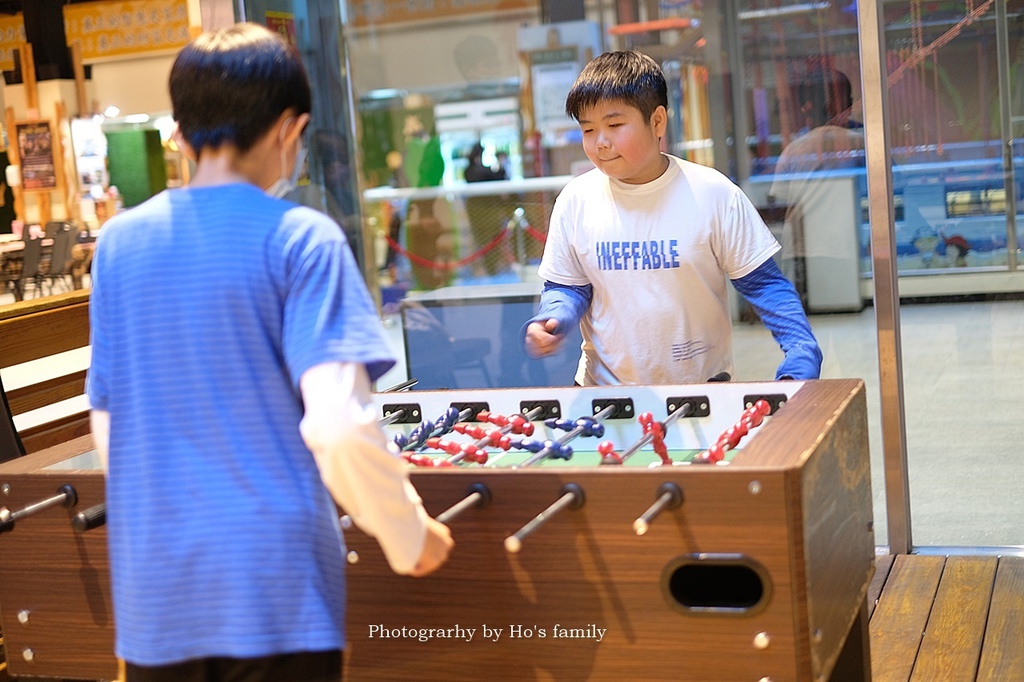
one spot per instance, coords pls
(37, 331)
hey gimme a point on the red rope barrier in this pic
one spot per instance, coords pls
(454, 265)
(542, 238)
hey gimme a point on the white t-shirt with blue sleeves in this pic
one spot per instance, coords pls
(658, 256)
(207, 306)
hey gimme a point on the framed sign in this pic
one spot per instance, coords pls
(90, 150)
(35, 152)
(552, 73)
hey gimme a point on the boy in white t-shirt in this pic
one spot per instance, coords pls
(639, 248)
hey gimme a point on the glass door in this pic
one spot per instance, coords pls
(953, 79)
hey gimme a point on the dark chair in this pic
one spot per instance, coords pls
(53, 227)
(31, 258)
(58, 268)
(10, 270)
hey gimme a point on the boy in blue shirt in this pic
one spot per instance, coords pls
(233, 346)
(639, 248)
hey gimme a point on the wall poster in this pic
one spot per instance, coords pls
(35, 152)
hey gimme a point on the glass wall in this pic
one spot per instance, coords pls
(329, 182)
(463, 146)
(948, 172)
(456, 144)
(954, 94)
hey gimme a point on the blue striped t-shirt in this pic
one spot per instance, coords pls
(207, 306)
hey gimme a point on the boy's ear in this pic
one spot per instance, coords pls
(295, 127)
(659, 121)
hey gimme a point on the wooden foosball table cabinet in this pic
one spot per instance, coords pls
(756, 567)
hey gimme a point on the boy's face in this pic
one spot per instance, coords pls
(621, 143)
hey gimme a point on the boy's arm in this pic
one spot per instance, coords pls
(562, 302)
(561, 308)
(99, 424)
(363, 476)
(777, 304)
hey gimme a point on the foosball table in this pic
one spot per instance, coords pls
(718, 531)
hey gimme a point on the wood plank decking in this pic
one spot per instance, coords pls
(947, 618)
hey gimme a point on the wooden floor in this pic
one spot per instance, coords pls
(947, 618)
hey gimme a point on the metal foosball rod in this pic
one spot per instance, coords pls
(392, 418)
(399, 413)
(417, 439)
(609, 456)
(65, 497)
(751, 418)
(571, 498)
(669, 497)
(572, 494)
(584, 425)
(515, 424)
(479, 495)
(403, 386)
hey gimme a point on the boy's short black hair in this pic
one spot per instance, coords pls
(229, 86)
(631, 77)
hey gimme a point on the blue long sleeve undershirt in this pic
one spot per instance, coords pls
(776, 302)
(772, 296)
(562, 302)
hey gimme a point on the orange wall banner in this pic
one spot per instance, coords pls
(126, 27)
(378, 12)
(12, 35)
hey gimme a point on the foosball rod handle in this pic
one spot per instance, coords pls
(93, 517)
(571, 498)
(65, 497)
(669, 497)
(479, 497)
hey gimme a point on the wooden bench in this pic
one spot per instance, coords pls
(36, 331)
(947, 618)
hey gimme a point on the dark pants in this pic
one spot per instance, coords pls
(318, 666)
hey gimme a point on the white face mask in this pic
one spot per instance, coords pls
(282, 186)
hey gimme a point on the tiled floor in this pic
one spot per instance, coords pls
(963, 368)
